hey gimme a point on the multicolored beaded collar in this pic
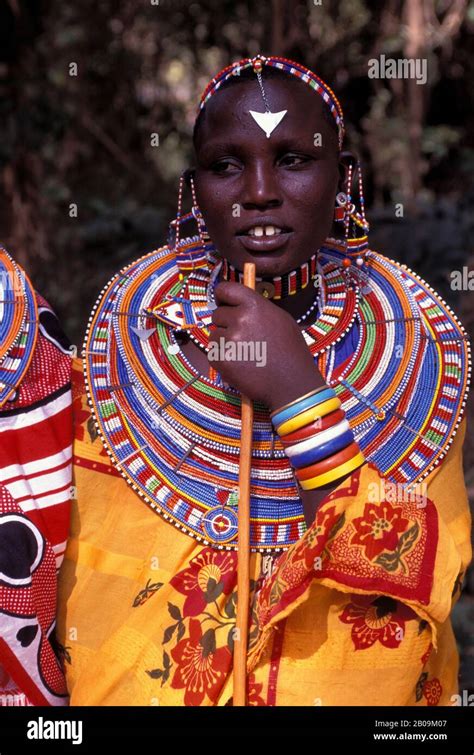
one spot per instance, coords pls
(396, 355)
(18, 325)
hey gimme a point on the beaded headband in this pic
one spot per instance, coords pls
(287, 66)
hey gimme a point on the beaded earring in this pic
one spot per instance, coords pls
(355, 222)
(192, 251)
(345, 209)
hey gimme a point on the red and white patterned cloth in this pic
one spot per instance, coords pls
(35, 495)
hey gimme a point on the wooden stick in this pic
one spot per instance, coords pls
(243, 550)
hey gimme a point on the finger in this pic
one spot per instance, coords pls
(222, 317)
(232, 293)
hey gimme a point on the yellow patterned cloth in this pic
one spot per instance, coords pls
(357, 612)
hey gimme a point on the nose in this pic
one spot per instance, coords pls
(260, 186)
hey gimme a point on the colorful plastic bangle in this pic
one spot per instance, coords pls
(322, 452)
(334, 474)
(300, 398)
(319, 439)
(318, 426)
(308, 416)
(302, 404)
(325, 465)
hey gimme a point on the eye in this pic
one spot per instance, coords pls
(291, 159)
(225, 165)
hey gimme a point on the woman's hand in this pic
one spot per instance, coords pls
(270, 361)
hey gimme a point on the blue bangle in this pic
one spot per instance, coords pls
(300, 406)
(322, 452)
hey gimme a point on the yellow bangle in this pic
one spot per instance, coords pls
(341, 471)
(320, 410)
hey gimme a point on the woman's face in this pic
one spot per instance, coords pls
(246, 182)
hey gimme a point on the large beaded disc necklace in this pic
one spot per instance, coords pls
(394, 352)
(18, 326)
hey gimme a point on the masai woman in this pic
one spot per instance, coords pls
(358, 373)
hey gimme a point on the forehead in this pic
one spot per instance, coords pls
(227, 112)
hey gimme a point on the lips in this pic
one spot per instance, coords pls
(265, 243)
(264, 235)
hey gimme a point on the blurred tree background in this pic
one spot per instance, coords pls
(86, 88)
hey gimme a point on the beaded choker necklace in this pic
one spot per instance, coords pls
(174, 434)
(280, 286)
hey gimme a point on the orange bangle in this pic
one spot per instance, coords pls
(327, 464)
(317, 425)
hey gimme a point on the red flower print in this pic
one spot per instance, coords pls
(295, 568)
(201, 669)
(376, 620)
(265, 601)
(432, 691)
(207, 576)
(425, 656)
(379, 527)
(254, 690)
(292, 574)
(324, 521)
(316, 537)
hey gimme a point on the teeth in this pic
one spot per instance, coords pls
(260, 230)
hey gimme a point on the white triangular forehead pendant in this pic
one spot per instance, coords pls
(268, 121)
